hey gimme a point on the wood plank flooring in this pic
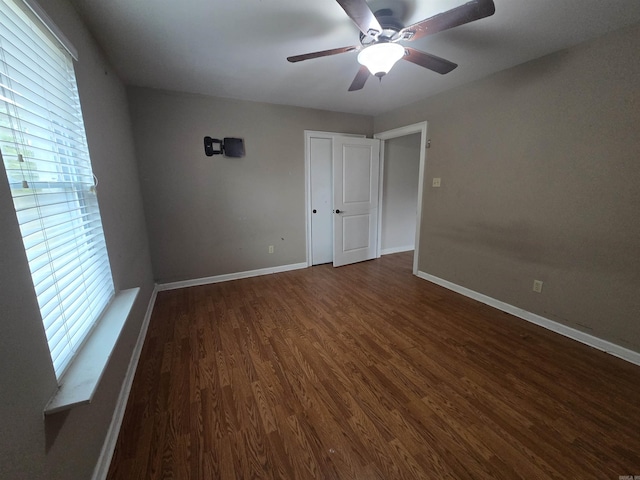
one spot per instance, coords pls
(367, 372)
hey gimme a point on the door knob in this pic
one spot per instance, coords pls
(315, 211)
(338, 211)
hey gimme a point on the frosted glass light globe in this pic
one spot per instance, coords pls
(380, 57)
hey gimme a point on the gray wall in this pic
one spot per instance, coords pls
(210, 216)
(67, 446)
(540, 180)
(400, 192)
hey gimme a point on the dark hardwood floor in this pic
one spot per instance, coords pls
(367, 372)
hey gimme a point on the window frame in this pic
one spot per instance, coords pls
(67, 159)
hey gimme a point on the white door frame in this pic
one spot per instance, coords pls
(420, 128)
(308, 134)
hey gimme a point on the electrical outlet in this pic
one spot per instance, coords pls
(436, 182)
(537, 286)
(270, 248)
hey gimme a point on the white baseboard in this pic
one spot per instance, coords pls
(104, 461)
(389, 251)
(595, 342)
(229, 276)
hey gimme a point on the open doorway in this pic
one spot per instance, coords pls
(399, 192)
(395, 214)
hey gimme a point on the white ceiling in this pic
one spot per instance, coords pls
(238, 48)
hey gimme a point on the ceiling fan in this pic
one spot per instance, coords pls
(380, 34)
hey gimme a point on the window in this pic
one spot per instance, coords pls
(44, 151)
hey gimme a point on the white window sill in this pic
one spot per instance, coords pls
(79, 382)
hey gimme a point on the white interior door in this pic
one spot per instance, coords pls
(320, 153)
(356, 169)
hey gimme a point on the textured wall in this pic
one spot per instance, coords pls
(67, 446)
(540, 175)
(210, 216)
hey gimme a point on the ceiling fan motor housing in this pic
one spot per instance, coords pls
(390, 29)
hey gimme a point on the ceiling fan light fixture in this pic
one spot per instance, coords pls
(379, 58)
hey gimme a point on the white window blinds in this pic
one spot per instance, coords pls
(44, 152)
